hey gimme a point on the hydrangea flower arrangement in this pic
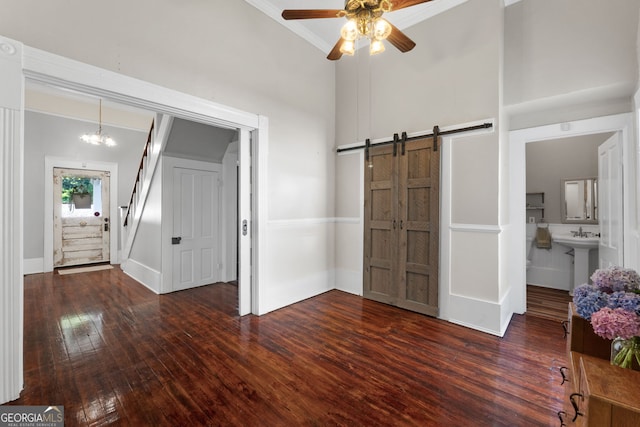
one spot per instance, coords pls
(612, 305)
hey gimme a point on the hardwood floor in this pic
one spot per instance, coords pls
(548, 303)
(112, 352)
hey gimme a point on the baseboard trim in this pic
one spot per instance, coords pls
(294, 291)
(33, 265)
(146, 276)
(493, 319)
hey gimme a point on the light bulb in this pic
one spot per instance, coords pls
(349, 30)
(348, 47)
(376, 47)
(98, 139)
(381, 29)
(93, 138)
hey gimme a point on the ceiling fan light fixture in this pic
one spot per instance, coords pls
(349, 30)
(364, 20)
(348, 47)
(376, 47)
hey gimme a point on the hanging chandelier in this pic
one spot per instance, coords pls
(98, 138)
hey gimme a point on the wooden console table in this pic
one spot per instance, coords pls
(598, 394)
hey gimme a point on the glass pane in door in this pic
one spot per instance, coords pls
(81, 197)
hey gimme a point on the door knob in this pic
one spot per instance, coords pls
(176, 240)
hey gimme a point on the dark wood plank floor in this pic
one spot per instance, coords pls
(112, 352)
(548, 303)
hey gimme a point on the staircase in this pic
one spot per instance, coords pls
(133, 202)
(130, 218)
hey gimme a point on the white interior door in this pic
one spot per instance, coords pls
(81, 227)
(610, 208)
(245, 225)
(196, 227)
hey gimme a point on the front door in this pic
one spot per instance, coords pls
(196, 227)
(81, 223)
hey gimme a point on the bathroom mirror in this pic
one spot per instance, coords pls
(580, 201)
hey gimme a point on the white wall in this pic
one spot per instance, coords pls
(349, 222)
(188, 47)
(568, 60)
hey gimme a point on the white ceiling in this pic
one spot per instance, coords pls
(324, 33)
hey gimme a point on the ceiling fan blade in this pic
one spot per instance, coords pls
(401, 4)
(400, 40)
(335, 53)
(312, 13)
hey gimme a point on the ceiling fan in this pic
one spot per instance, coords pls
(364, 19)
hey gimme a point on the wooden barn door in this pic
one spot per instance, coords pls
(401, 226)
(380, 224)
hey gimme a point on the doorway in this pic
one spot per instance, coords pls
(81, 226)
(516, 253)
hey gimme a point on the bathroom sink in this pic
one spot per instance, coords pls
(581, 247)
(576, 242)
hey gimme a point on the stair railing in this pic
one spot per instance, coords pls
(130, 220)
(139, 176)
